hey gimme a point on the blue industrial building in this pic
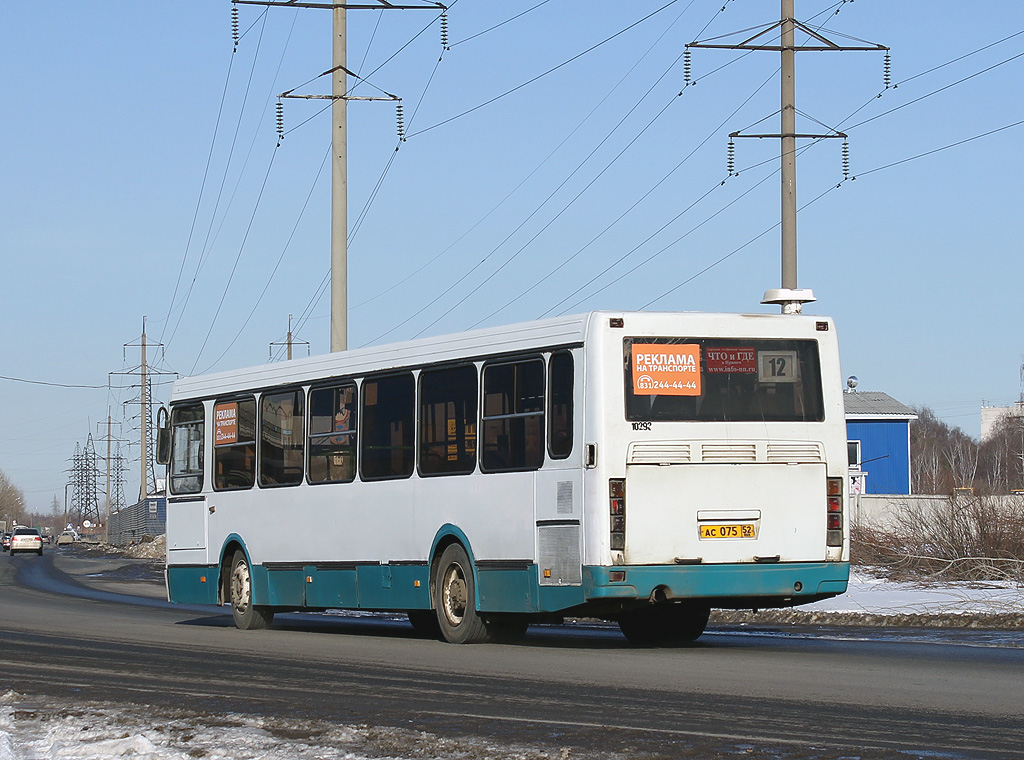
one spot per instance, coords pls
(878, 431)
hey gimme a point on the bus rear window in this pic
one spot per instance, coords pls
(722, 379)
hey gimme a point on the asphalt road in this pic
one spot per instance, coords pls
(731, 694)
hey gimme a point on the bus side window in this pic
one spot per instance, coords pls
(186, 467)
(281, 438)
(513, 417)
(389, 427)
(332, 434)
(560, 388)
(448, 399)
(234, 444)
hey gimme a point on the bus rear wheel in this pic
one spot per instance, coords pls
(248, 616)
(455, 599)
(670, 624)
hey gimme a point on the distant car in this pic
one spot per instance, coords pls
(67, 537)
(6, 541)
(27, 540)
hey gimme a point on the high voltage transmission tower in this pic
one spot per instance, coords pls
(339, 140)
(789, 296)
(85, 504)
(115, 501)
(145, 373)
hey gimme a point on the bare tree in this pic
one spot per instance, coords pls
(942, 458)
(1001, 456)
(12, 501)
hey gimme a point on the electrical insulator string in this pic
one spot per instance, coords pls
(234, 26)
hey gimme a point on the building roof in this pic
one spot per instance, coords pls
(875, 405)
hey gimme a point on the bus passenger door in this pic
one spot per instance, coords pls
(186, 530)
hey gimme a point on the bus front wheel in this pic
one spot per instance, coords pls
(455, 599)
(248, 616)
(665, 624)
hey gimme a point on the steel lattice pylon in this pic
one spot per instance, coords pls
(85, 503)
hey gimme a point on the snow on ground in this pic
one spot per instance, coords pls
(34, 730)
(875, 596)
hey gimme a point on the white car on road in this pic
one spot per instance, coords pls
(26, 540)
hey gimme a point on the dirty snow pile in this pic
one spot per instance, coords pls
(154, 549)
(34, 729)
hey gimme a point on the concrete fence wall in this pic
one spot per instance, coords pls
(885, 510)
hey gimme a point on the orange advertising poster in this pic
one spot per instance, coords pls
(666, 369)
(225, 424)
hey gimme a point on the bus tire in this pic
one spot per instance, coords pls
(671, 624)
(455, 599)
(248, 616)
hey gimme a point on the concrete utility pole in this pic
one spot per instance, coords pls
(788, 137)
(106, 519)
(339, 147)
(339, 188)
(290, 342)
(144, 420)
(790, 297)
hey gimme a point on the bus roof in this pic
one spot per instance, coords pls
(558, 331)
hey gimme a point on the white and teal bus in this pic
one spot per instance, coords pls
(636, 467)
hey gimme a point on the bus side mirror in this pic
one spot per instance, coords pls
(163, 438)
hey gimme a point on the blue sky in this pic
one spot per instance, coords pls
(138, 146)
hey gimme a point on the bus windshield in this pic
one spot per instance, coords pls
(722, 379)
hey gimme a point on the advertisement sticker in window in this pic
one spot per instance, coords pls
(739, 360)
(665, 369)
(225, 424)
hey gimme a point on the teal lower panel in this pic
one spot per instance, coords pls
(192, 584)
(506, 590)
(519, 591)
(783, 581)
(407, 587)
(365, 587)
(285, 588)
(556, 598)
(393, 587)
(332, 588)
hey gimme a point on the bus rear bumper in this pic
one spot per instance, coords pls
(737, 586)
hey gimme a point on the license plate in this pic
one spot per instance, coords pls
(728, 530)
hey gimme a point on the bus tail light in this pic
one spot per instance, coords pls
(617, 509)
(834, 513)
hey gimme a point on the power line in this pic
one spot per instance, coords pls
(56, 385)
(204, 252)
(234, 267)
(502, 23)
(544, 74)
(634, 206)
(280, 258)
(861, 174)
(809, 203)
